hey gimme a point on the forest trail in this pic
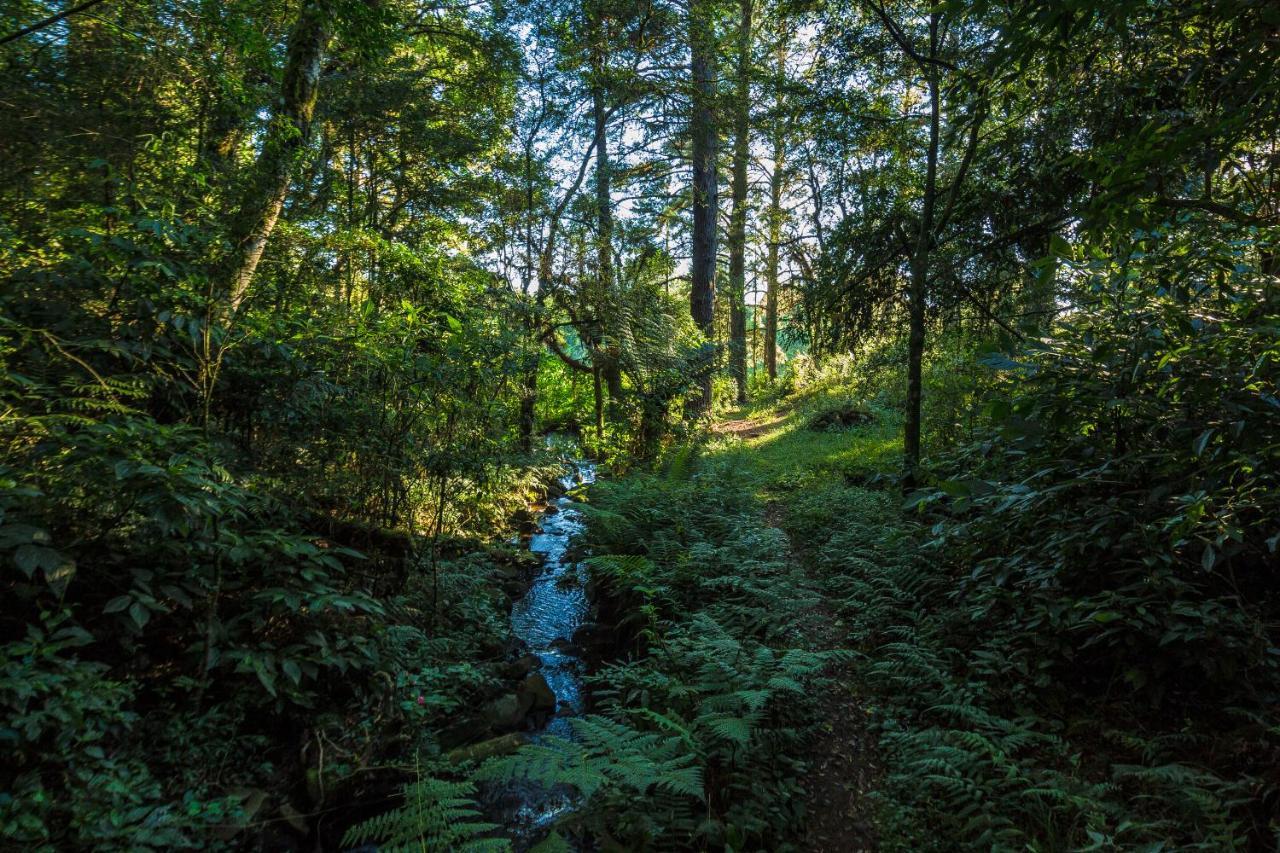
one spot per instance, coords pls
(840, 756)
(747, 428)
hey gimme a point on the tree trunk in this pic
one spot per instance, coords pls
(702, 128)
(920, 272)
(606, 352)
(529, 397)
(283, 148)
(533, 319)
(738, 219)
(775, 235)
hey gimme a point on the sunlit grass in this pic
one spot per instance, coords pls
(789, 454)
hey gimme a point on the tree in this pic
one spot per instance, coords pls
(737, 237)
(285, 142)
(775, 216)
(703, 134)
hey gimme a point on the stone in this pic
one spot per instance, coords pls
(537, 692)
(565, 646)
(506, 571)
(593, 635)
(506, 712)
(251, 801)
(463, 730)
(520, 667)
(293, 817)
(501, 745)
(840, 419)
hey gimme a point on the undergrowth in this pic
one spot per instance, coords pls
(695, 738)
(984, 745)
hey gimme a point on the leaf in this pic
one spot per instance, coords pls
(22, 534)
(1208, 558)
(115, 605)
(553, 843)
(1202, 441)
(292, 670)
(31, 557)
(267, 677)
(139, 614)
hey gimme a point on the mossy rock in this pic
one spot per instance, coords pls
(840, 419)
(485, 749)
(535, 690)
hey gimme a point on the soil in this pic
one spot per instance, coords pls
(747, 428)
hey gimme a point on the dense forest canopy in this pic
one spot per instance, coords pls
(928, 355)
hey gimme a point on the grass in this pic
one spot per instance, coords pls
(789, 455)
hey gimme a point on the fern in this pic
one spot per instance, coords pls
(436, 815)
(603, 753)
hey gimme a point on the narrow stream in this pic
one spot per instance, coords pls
(545, 619)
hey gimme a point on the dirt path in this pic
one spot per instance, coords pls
(747, 428)
(841, 765)
(841, 772)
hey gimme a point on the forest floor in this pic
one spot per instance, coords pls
(789, 462)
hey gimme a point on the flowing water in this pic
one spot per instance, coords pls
(545, 619)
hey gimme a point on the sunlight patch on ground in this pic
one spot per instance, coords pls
(782, 452)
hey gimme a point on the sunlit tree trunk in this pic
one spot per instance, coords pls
(606, 350)
(282, 150)
(738, 218)
(702, 127)
(533, 360)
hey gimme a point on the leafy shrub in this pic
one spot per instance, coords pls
(66, 782)
(1083, 655)
(1119, 515)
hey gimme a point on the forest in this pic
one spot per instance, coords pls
(640, 425)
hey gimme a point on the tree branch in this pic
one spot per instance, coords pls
(553, 343)
(48, 22)
(900, 37)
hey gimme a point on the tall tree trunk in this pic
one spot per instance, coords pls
(283, 148)
(533, 319)
(702, 128)
(738, 218)
(771, 295)
(775, 232)
(920, 270)
(606, 350)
